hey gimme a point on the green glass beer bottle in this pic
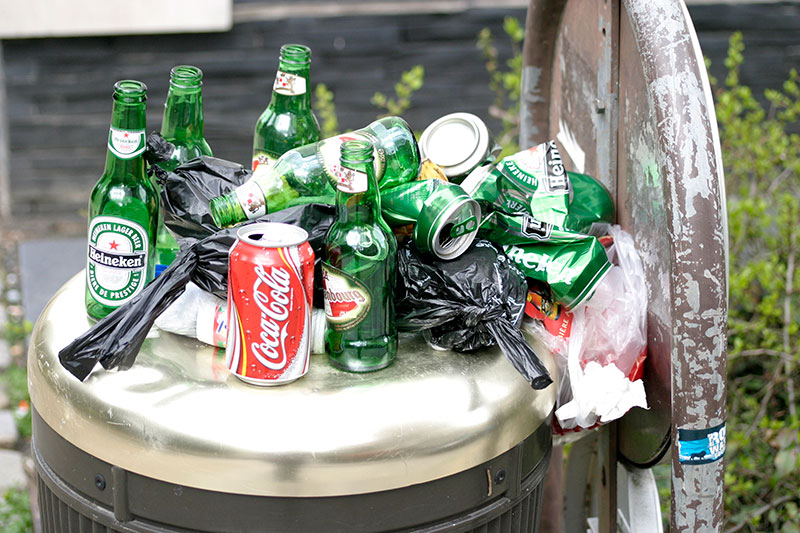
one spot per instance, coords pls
(358, 270)
(308, 173)
(182, 125)
(288, 121)
(123, 210)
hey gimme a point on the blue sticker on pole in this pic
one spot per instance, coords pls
(701, 446)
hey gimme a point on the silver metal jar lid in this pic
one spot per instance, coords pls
(457, 143)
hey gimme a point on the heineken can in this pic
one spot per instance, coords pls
(270, 296)
(458, 143)
(445, 218)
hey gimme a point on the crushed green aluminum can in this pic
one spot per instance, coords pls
(541, 214)
(571, 269)
(445, 217)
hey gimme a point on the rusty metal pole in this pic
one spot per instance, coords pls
(696, 215)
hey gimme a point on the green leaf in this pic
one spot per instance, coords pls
(785, 462)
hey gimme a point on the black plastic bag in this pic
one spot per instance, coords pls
(211, 273)
(186, 192)
(158, 149)
(473, 301)
(115, 340)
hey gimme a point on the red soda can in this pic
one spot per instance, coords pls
(270, 296)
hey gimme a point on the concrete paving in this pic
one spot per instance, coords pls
(12, 471)
(45, 265)
(8, 429)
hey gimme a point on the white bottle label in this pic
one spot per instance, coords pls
(251, 198)
(126, 144)
(351, 181)
(116, 266)
(289, 84)
(330, 153)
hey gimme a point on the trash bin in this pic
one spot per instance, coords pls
(439, 441)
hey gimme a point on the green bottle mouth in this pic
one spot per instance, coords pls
(186, 76)
(296, 54)
(356, 152)
(130, 91)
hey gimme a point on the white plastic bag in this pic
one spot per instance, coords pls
(605, 344)
(203, 316)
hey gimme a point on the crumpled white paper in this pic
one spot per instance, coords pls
(604, 394)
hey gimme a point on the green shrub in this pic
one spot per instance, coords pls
(762, 173)
(15, 512)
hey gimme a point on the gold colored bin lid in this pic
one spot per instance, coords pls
(178, 416)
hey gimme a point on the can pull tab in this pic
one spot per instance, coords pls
(462, 228)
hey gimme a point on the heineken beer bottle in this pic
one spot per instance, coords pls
(123, 210)
(308, 173)
(182, 125)
(358, 271)
(288, 121)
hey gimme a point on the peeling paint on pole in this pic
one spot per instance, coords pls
(678, 94)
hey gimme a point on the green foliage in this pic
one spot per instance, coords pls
(15, 512)
(326, 111)
(325, 108)
(16, 332)
(15, 380)
(410, 82)
(762, 166)
(505, 82)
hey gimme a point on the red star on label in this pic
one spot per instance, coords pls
(126, 134)
(113, 245)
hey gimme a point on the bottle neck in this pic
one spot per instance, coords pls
(126, 141)
(362, 207)
(291, 89)
(183, 115)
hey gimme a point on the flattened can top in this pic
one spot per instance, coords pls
(179, 416)
(457, 143)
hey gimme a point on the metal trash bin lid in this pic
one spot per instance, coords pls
(178, 415)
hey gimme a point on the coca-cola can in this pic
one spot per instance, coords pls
(270, 296)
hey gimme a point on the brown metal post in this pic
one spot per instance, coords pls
(667, 172)
(696, 215)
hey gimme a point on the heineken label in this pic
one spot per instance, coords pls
(571, 269)
(524, 229)
(126, 144)
(116, 267)
(289, 84)
(347, 300)
(329, 152)
(352, 181)
(534, 181)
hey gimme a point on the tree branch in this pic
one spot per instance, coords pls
(762, 510)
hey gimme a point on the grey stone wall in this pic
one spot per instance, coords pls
(59, 89)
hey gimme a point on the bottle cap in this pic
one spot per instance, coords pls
(457, 143)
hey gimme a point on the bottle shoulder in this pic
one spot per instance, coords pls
(291, 126)
(112, 190)
(372, 240)
(184, 152)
